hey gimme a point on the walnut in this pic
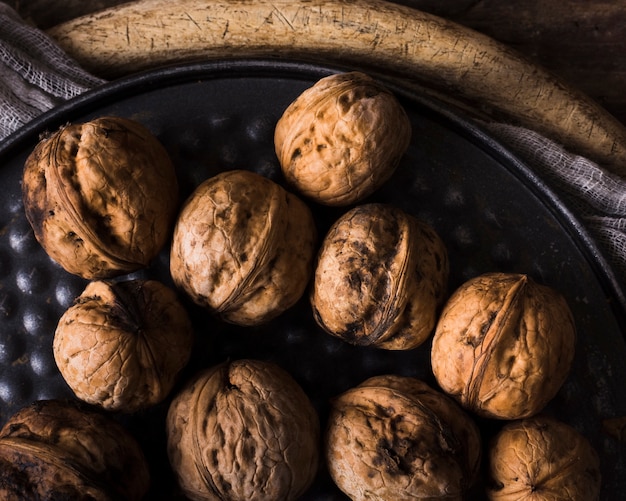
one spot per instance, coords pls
(101, 196)
(342, 138)
(394, 438)
(243, 430)
(53, 450)
(380, 278)
(542, 458)
(243, 247)
(122, 345)
(615, 427)
(503, 345)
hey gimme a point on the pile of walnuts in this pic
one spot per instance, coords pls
(102, 198)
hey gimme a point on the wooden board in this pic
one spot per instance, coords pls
(581, 41)
(456, 61)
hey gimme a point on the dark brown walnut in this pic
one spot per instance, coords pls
(122, 345)
(56, 450)
(380, 278)
(615, 427)
(243, 247)
(394, 438)
(101, 196)
(243, 430)
(342, 138)
(540, 458)
(503, 345)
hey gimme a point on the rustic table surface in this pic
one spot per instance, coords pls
(581, 41)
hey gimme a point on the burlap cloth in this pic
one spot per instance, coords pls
(35, 76)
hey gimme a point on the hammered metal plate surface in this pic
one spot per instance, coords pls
(491, 211)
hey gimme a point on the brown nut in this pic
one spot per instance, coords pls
(394, 438)
(503, 345)
(101, 196)
(243, 430)
(380, 278)
(542, 458)
(54, 450)
(243, 247)
(342, 138)
(122, 345)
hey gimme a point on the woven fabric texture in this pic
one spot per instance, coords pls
(595, 196)
(36, 75)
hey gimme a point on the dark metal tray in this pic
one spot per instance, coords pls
(493, 213)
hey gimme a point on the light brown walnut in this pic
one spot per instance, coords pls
(394, 438)
(342, 138)
(122, 345)
(101, 196)
(55, 450)
(380, 278)
(541, 458)
(243, 431)
(243, 247)
(503, 345)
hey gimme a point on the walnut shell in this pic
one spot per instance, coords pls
(122, 345)
(542, 458)
(54, 450)
(342, 138)
(394, 438)
(243, 430)
(503, 345)
(101, 196)
(243, 247)
(380, 278)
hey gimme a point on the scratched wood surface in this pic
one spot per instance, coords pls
(581, 41)
(408, 44)
(438, 52)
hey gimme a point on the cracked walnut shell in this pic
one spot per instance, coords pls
(394, 438)
(380, 278)
(54, 450)
(101, 196)
(243, 247)
(542, 458)
(503, 345)
(342, 138)
(122, 345)
(243, 430)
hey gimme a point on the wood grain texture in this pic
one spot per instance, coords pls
(405, 42)
(581, 41)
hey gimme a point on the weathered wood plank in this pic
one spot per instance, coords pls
(581, 41)
(411, 44)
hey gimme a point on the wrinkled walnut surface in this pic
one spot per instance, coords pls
(380, 278)
(541, 458)
(503, 345)
(394, 438)
(243, 430)
(342, 138)
(101, 196)
(122, 345)
(54, 450)
(243, 247)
